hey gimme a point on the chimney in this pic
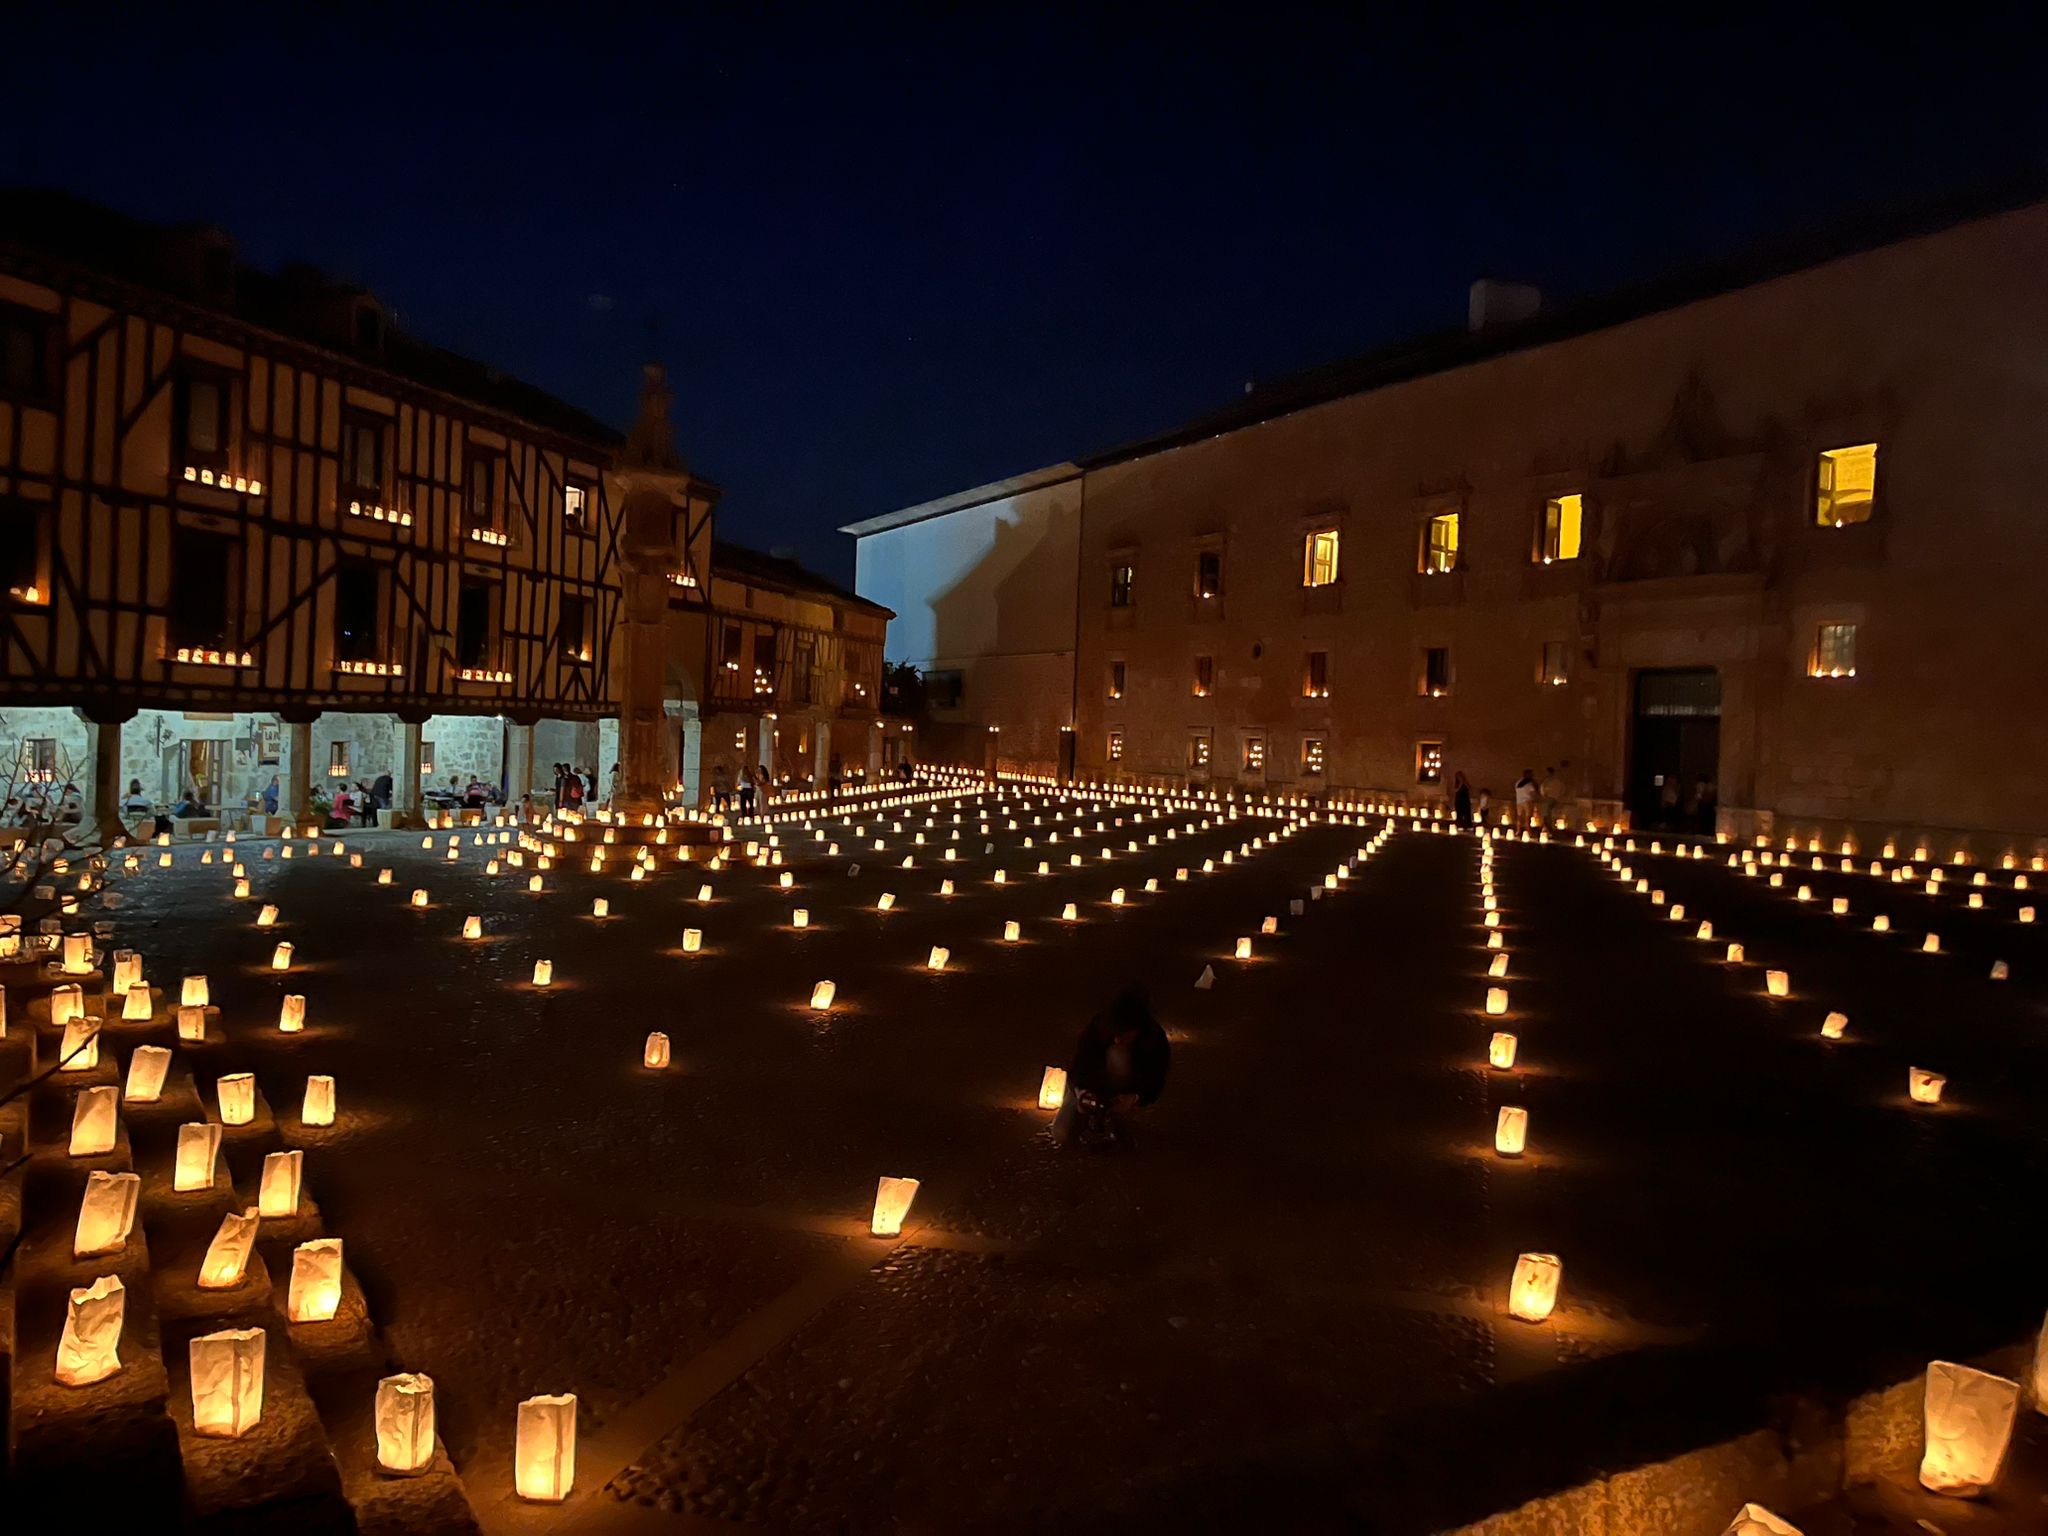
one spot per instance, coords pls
(1493, 304)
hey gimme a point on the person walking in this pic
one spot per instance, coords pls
(1525, 798)
(1461, 800)
(1548, 795)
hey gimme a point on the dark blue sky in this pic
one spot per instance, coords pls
(893, 254)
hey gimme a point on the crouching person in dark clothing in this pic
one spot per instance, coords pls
(1119, 1065)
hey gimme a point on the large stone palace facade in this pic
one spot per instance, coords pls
(1761, 549)
(254, 531)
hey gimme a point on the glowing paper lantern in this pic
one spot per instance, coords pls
(106, 1213)
(1500, 1051)
(278, 1193)
(1068, 913)
(1499, 967)
(543, 973)
(267, 918)
(291, 1014)
(1511, 1130)
(227, 1256)
(2000, 971)
(1532, 1293)
(655, 1053)
(1968, 1417)
(1116, 897)
(241, 889)
(939, 956)
(1931, 945)
(703, 893)
(419, 898)
(1244, 949)
(822, 995)
(893, 1199)
(885, 901)
(1778, 983)
(544, 1460)
(1755, 1520)
(1012, 931)
(1924, 1087)
(281, 957)
(318, 1106)
(601, 907)
(95, 1120)
(198, 1148)
(1496, 1000)
(1052, 1088)
(147, 1069)
(800, 918)
(1841, 905)
(192, 1025)
(90, 1348)
(236, 1093)
(227, 1381)
(77, 954)
(315, 1294)
(405, 1423)
(136, 1004)
(192, 992)
(472, 927)
(1880, 924)
(1833, 1025)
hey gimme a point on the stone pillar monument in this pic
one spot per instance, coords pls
(651, 477)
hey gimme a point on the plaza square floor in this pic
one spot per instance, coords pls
(1283, 1308)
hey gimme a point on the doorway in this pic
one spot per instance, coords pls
(1675, 749)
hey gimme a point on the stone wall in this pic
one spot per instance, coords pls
(464, 745)
(52, 723)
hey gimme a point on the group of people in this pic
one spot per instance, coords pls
(1535, 800)
(37, 807)
(753, 784)
(577, 787)
(1690, 808)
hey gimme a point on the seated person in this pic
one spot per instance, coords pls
(342, 808)
(476, 795)
(1120, 1064)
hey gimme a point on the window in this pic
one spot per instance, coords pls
(1834, 652)
(204, 576)
(1312, 756)
(426, 757)
(38, 761)
(1198, 748)
(24, 554)
(577, 503)
(358, 612)
(1319, 558)
(1436, 671)
(1116, 679)
(362, 456)
(1315, 675)
(945, 690)
(1557, 663)
(572, 630)
(202, 420)
(1563, 523)
(1120, 586)
(26, 374)
(476, 640)
(1205, 676)
(337, 760)
(1255, 753)
(480, 491)
(1848, 486)
(764, 663)
(729, 648)
(1209, 573)
(1440, 544)
(1429, 762)
(1116, 746)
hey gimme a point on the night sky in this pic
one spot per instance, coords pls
(888, 255)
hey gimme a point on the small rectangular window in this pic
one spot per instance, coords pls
(1209, 573)
(1440, 544)
(1319, 558)
(1116, 679)
(1116, 746)
(1563, 522)
(1315, 675)
(1848, 486)
(476, 640)
(1255, 753)
(573, 634)
(362, 456)
(1834, 652)
(1205, 676)
(576, 503)
(480, 490)
(729, 648)
(38, 762)
(1557, 663)
(337, 760)
(1120, 577)
(764, 663)
(1312, 756)
(1429, 762)
(426, 757)
(25, 553)
(26, 375)
(1198, 748)
(202, 420)
(205, 570)
(1436, 671)
(358, 612)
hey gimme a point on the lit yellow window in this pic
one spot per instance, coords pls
(1440, 544)
(1319, 558)
(1834, 652)
(1848, 486)
(1563, 519)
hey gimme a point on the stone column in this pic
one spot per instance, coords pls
(519, 761)
(690, 763)
(295, 784)
(650, 478)
(405, 778)
(105, 810)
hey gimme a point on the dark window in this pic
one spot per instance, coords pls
(729, 653)
(203, 576)
(1205, 676)
(358, 602)
(474, 641)
(362, 455)
(1436, 671)
(1120, 586)
(1116, 679)
(25, 352)
(764, 652)
(1208, 573)
(944, 690)
(24, 552)
(480, 491)
(1315, 675)
(574, 633)
(203, 420)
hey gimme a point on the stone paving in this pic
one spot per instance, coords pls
(1285, 1307)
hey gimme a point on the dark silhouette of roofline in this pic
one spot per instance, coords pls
(1866, 230)
(737, 562)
